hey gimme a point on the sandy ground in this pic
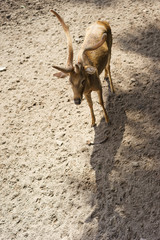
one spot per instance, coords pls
(52, 184)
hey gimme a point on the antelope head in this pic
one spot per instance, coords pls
(79, 73)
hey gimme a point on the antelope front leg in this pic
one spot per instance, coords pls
(90, 103)
(102, 104)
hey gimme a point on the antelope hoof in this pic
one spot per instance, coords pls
(107, 120)
(106, 79)
(109, 123)
(113, 91)
(93, 124)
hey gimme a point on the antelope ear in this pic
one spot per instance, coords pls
(90, 70)
(60, 75)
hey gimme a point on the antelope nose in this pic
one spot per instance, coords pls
(77, 101)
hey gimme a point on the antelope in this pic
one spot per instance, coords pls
(93, 57)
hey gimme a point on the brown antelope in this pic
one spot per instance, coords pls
(93, 57)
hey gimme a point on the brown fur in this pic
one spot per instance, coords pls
(94, 56)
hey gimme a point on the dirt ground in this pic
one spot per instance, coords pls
(52, 184)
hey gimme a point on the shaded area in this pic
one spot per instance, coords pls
(145, 42)
(127, 173)
(127, 165)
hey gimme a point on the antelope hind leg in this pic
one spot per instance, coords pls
(110, 83)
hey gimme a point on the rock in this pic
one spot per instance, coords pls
(2, 69)
(59, 143)
(135, 164)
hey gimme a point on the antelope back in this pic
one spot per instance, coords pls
(99, 57)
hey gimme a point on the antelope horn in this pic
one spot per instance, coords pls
(97, 45)
(69, 40)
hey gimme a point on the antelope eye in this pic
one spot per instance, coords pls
(83, 82)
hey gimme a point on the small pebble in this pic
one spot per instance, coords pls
(2, 69)
(135, 164)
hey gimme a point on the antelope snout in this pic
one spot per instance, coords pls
(77, 101)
